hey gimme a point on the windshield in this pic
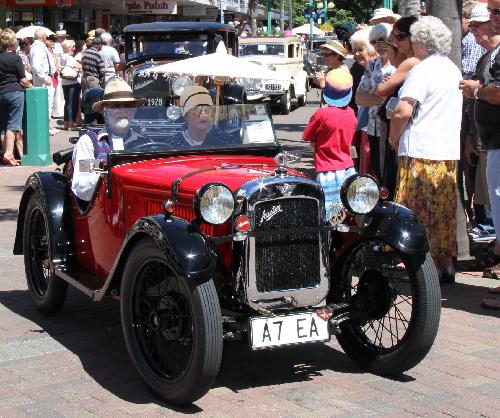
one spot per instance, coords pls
(262, 49)
(167, 44)
(149, 129)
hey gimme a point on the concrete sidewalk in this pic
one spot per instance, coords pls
(75, 364)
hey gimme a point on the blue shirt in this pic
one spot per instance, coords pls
(471, 52)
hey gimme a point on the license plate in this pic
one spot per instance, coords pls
(273, 86)
(287, 329)
(155, 101)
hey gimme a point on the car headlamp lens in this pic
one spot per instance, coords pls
(216, 204)
(360, 194)
(180, 83)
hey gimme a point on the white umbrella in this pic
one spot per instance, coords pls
(29, 32)
(219, 64)
(306, 30)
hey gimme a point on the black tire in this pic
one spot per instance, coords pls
(46, 289)
(285, 103)
(301, 100)
(172, 326)
(397, 307)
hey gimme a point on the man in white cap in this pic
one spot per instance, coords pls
(119, 105)
(60, 38)
(383, 15)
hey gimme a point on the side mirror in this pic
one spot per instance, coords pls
(90, 166)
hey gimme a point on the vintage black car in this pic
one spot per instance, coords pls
(150, 44)
(224, 241)
(314, 61)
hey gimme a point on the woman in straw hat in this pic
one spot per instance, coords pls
(119, 103)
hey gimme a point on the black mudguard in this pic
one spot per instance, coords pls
(192, 254)
(398, 226)
(51, 188)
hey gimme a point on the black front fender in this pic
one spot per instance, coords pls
(192, 254)
(398, 226)
(51, 189)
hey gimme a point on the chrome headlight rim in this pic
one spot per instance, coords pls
(347, 187)
(202, 205)
(179, 83)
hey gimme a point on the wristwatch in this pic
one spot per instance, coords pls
(474, 92)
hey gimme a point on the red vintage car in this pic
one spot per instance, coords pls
(223, 241)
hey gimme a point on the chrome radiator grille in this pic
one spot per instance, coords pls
(287, 258)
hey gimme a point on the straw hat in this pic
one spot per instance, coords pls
(334, 46)
(382, 13)
(116, 91)
(61, 32)
(194, 96)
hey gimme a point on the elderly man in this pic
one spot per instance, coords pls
(60, 38)
(119, 104)
(43, 67)
(110, 56)
(486, 93)
(93, 67)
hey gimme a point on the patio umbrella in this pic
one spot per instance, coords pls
(305, 30)
(29, 32)
(219, 65)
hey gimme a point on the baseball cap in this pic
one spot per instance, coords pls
(194, 96)
(479, 13)
(338, 87)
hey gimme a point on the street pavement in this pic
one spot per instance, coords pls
(75, 364)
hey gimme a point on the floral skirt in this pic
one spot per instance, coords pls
(428, 188)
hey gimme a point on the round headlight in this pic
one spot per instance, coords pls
(174, 112)
(215, 203)
(180, 83)
(360, 193)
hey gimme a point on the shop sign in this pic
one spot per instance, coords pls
(115, 5)
(154, 7)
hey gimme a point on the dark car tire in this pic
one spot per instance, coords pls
(285, 103)
(46, 289)
(302, 100)
(420, 331)
(186, 323)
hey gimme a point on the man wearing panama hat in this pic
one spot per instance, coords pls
(119, 105)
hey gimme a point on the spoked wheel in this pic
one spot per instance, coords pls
(396, 306)
(47, 291)
(172, 326)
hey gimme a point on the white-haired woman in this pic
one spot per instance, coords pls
(426, 132)
(363, 52)
(70, 76)
(376, 71)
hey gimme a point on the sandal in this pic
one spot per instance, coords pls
(10, 161)
(491, 304)
(492, 272)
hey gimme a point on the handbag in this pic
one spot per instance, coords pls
(69, 73)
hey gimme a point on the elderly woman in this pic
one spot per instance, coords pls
(12, 80)
(376, 71)
(70, 80)
(425, 130)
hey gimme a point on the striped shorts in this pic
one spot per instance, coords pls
(332, 181)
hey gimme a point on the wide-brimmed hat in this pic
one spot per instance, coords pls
(117, 91)
(61, 33)
(383, 12)
(334, 46)
(479, 13)
(194, 96)
(338, 87)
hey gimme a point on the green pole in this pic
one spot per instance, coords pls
(311, 20)
(269, 15)
(388, 4)
(325, 8)
(36, 128)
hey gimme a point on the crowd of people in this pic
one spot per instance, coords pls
(422, 127)
(73, 72)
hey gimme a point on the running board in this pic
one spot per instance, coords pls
(87, 283)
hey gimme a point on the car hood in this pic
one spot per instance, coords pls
(231, 170)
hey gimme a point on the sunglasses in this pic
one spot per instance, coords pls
(495, 12)
(475, 25)
(330, 54)
(124, 105)
(400, 36)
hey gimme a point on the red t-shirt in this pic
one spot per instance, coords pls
(332, 128)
